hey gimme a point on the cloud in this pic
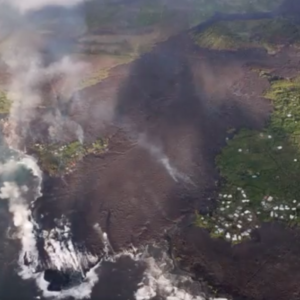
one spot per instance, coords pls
(27, 5)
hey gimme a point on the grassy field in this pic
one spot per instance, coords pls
(233, 35)
(150, 13)
(101, 73)
(260, 170)
(5, 103)
(141, 14)
(156, 14)
(201, 10)
(58, 160)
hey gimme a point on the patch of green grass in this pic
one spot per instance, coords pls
(103, 73)
(5, 103)
(203, 10)
(232, 35)
(61, 159)
(260, 170)
(94, 79)
(140, 14)
(99, 13)
(150, 13)
(135, 15)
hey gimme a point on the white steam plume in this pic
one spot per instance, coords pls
(62, 254)
(163, 159)
(19, 206)
(27, 75)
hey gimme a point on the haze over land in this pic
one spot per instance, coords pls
(149, 149)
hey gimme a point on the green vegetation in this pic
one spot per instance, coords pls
(99, 13)
(115, 48)
(270, 34)
(150, 13)
(62, 159)
(102, 74)
(260, 170)
(141, 14)
(202, 10)
(94, 79)
(132, 15)
(5, 103)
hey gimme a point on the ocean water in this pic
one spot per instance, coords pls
(145, 274)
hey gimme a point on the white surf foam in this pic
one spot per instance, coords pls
(63, 255)
(80, 291)
(159, 281)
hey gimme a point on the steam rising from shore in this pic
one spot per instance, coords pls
(21, 178)
(19, 206)
(21, 185)
(160, 280)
